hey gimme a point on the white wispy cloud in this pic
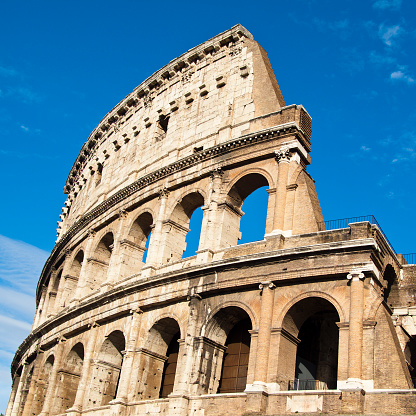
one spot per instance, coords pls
(341, 27)
(387, 4)
(29, 129)
(21, 93)
(400, 75)
(379, 59)
(388, 34)
(20, 267)
(20, 264)
(8, 72)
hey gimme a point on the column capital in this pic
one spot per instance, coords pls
(163, 192)
(283, 154)
(216, 173)
(91, 234)
(122, 213)
(264, 285)
(355, 275)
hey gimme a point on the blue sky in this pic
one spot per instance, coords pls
(64, 65)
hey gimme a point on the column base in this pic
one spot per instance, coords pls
(204, 256)
(260, 387)
(118, 407)
(354, 384)
(257, 398)
(148, 271)
(284, 233)
(73, 411)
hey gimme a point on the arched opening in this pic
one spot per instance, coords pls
(253, 222)
(76, 265)
(158, 360)
(106, 371)
(309, 352)
(133, 248)
(71, 280)
(226, 352)
(192, 238)
(68, 379)
(54, 294)
(391, 290)
(99, 262)
(256, 210)
(169, 369)
(235, 363)
(177, 227)
(42, 386)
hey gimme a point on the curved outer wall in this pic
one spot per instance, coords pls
(112, 324)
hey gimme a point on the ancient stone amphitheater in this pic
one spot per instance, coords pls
(308, 319)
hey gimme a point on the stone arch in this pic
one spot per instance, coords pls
(311, 294)
(72, 278)
(207, 326)
(176, 227)
(226, 357)
(99, 261)
(230, 209)
(76, 263)
(133, 247)
(68, 379)
(309, 342)
(106, 370)
(158, 359)
(42, 384)
(55, 289)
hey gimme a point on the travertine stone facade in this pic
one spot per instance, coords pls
(126, 325)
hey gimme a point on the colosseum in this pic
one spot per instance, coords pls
(315, 317)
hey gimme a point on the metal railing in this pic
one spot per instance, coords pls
(343, 223)
(297, 384)
(410, 258)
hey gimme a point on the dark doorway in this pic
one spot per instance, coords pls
(317, 353)
(235, 363)
(169, 370)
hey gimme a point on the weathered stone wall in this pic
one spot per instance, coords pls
(205, 132)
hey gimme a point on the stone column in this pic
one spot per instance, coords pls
(154, 255)
(263, 339)
(355, 339)
(12, 398)
(283, 159)
(18, 396)
(46, 305)
(76, 408)
(113, 271)
(127, 367)
(186, 359)
(39, 310)
(50, 393)
(60, 296)
(32, 387)
(82, 279)
(211, 221)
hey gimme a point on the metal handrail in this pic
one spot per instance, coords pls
(410, 258)
(312, 384)
(343, 223)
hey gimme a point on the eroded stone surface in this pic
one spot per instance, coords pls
(116, 332)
